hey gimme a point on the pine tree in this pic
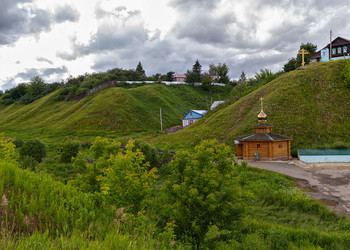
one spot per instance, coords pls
(243, 77)
(196, 69)
(140, 70)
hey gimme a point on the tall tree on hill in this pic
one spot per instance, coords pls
(36, 86)
(242, 78)
(197, 69)
(222, 71)
(311, 48)
(169, 76)
(191, 77)
(213, 69)
(141, 71)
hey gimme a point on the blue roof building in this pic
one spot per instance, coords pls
(192, 116)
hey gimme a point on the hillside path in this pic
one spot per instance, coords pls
(327, 182)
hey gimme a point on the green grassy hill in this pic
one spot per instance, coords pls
(311, 105)
(112, 111)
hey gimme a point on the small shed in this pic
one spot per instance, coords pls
(192, 116)
(216, 104)
(324, 155)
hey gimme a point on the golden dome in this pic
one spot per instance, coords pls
(262, 116)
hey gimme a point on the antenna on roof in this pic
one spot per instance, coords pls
(330, 45)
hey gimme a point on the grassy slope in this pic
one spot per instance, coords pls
(112, 111)
(310, 105)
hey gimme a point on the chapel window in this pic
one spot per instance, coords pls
(280, 145)
(257, 145)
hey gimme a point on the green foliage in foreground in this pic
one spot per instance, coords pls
(202, 199)
(310, 105)
(204, 193)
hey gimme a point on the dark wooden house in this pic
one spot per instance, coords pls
(263, 144)
(340, 50)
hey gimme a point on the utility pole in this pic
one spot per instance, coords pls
(330, 45)
(161, 122)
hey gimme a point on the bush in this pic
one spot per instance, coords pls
(18, 143)
(27, 99)
(69, 150)
(203, 191)
(35, 149)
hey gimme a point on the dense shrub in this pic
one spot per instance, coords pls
(18, 142)
(35, 149)
(69, 149)
(203, 191)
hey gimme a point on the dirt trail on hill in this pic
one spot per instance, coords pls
(327, 182)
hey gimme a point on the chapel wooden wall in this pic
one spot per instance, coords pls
(267, 150)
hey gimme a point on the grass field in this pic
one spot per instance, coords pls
(111, 112)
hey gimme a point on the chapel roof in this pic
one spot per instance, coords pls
(263, 137)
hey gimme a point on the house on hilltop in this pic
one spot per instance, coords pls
(340, 50)
(192, 116)
(179, 77)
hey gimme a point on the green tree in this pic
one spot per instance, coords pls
(311, 48)
(33, 148)
(222, 71)
(204, 192)
(263, 75)
(169, 76)
(213, 69)
(36, 86)
(242, 78)
(197, 70)
(18, 91)
(191, 77)
(290, 65)
(207, 81)
(126, 181)
(140, 70)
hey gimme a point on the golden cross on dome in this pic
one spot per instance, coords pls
(261, 100)
(303, 52)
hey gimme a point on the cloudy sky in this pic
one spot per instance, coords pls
(58, 38)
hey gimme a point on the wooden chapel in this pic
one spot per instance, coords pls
(263, 144)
